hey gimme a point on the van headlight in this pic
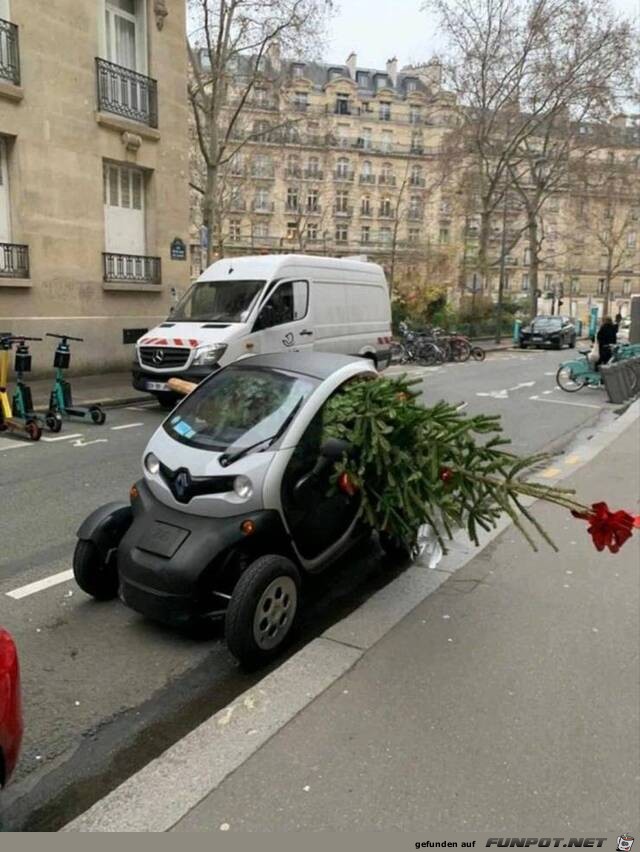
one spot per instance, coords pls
(209, 354)
(243, 487)
(152, 464)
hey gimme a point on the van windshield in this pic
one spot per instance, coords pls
(218, 301)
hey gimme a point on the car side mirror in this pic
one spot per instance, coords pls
(334, 448)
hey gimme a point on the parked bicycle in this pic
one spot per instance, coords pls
(581, 372)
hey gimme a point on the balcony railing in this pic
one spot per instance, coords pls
(9, 52)
(262, 206)
(342, 175)
(386, 213)
(263, 174)
(342, 212)
(313, 210)
(293, 171)
(366, 213)
(367, 178)
(131, 268)
(387, 180)
(127, 93)
(313, 174)
(237, 205)
(14, 260)
(417, 181)
(415, 214)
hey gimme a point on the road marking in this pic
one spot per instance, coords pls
(126, 426)
(504, 393)
(19, 445)
(547, 392)
(63, 437)
(144, 406)
(40, 585)
(462, 406)
(573, 459)
(563, 402)
(80, 442)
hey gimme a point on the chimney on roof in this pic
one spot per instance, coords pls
(273, 53)
(392, 69)
(352, 61)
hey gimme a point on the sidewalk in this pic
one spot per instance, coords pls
(103, 388)
(505, 701)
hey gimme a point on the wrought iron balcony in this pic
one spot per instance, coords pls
(131, 268)
(127, 93)
(262, 207)
(9, 52)
(417, 181)
(293, 172)
(342, 211)
(386, 213)
(14, 260)
(265, 173)
(341, 174)
(415, 214)
(367, 178)
(313, 174)
(387, 180)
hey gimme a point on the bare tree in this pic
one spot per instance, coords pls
(607, 206)
(517, 67)
(233, 45)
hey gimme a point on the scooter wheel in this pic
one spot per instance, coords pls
(53, 421)
(33, 430)
(93, 571)
(97, 414)
(262, 610)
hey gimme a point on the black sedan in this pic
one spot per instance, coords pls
(552, 332)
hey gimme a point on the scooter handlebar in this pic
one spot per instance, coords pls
(65, 337)
(13, 338)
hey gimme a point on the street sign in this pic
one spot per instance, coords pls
(178, 249)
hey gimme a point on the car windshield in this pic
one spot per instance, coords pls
(218, 301)
(238, 407)
(547, 322)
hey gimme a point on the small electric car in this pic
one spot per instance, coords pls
(234, 506)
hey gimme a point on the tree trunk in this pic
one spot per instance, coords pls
(534, 264)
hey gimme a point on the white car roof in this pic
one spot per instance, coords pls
(267, 266)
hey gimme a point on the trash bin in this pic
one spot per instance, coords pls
(613, 382)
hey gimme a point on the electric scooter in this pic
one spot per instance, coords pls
(18, 417)
(61, 400)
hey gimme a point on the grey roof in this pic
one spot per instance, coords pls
(320, 74)
(320, 365)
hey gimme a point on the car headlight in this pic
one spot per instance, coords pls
(209, 354)
(151, 464)
(243, 487)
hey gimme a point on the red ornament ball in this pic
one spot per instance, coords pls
(446, 474)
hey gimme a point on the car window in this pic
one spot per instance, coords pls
(287, 303)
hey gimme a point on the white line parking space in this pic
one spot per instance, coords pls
(126, 426)
(40, 585)
(566, 402)
(62, 437)
(14, 445)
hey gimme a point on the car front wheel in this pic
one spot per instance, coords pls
(262, 610)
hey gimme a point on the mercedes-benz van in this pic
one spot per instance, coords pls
(268, 303)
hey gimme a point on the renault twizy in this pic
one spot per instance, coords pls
(235, 504)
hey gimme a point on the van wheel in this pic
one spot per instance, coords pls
(167, 400)
(262, 610)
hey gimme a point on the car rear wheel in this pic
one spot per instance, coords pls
(262, 610)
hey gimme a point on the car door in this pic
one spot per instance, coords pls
(317, 515)
(283, 323)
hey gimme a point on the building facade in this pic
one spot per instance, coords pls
(343, 160)
(94, 151)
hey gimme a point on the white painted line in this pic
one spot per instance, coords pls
(562, 402)
(126, 426)
(144, 406)
(17, 446)
(63, 437)
(40, 585)
(462, 406)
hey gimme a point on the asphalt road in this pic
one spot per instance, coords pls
(105, 690)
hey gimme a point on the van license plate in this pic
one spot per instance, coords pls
(157, 386)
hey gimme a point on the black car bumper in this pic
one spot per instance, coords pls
(170, 562)
(141, 377)
(528, 340)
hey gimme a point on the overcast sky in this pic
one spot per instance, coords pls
(377, 30)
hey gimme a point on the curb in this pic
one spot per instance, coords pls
(160, 794)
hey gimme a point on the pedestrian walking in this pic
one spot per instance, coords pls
(607, 337)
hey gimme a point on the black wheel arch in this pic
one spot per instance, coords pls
(106, 523)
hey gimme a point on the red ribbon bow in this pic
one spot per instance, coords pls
(606, 528)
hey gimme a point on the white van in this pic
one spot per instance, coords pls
(263, 304)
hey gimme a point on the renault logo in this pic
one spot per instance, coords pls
(158, 356)
(182, 485)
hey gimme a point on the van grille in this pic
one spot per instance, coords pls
(172, 356)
